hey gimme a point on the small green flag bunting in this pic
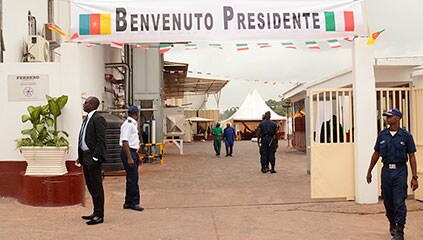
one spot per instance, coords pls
(241, 47)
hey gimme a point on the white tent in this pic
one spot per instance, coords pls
(253, 108)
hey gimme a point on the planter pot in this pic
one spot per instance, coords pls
(45, 161)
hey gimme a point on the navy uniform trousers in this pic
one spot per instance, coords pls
(394, 193)
(267, 151)
(132, 196)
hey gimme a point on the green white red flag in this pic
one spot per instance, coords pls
(191, 46)
(312, 45)
(289, 45)
(264, 45)
(334, 43)
(165, 48)
(241, 47)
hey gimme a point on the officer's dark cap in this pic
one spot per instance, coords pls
(393, 112)
(133, 110)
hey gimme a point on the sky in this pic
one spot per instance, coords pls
(403, 36)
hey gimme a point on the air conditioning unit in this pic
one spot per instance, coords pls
(37, 49)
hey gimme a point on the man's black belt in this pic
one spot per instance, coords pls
(133, 149)
(394, 165)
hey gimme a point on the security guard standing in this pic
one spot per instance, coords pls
(268, 143)
(393, 144)
(130, 142)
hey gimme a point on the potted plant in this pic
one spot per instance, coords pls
(44, 147)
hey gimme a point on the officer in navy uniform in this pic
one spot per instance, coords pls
(393, 144)
(267, 142)
(130, 143)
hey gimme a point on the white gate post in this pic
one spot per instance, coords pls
(365, 132)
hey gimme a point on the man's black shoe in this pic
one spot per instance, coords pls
(263, 170)
(227, 155)
(272, 171)
(95, 220)
(393, 228)
(133, 207)
(89, 217)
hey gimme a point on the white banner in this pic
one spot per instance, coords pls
(149, 21)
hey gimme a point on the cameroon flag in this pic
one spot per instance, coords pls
(94, 24)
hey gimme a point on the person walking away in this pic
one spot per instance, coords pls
(268, 143)
(91, 153)
(229, 136)
(393, 144)
(217, 138)
(130, 143)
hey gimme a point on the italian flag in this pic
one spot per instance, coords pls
(216, 45)
(191, 46)
(372, 38)
(264, 45)
(339, 21)
(165, 48)
(142, 46)
(116, 45)
(334, 43)
(289, 45)
(312, 45)
(241, 47)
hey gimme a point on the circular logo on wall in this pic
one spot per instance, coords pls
(28, 91)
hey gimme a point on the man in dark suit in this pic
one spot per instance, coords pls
(91, 153)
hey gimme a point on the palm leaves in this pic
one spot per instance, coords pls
(44, 124)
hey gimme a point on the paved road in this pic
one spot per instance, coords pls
(200, 196)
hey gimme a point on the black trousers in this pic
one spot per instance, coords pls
(94, 181)
(229, 149)
(132, 196)
(267, 151)
(394, 193)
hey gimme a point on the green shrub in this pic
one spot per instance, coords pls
(44, 125)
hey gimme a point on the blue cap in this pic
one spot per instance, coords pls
(133, 110)
(393, 112)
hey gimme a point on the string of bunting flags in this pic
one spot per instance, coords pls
(270, 83)
(334, 43)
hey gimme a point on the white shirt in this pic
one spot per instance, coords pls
(129, 132)
(84, 146)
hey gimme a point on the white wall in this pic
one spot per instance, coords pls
(15, 23)
(10, 121)
(393, 74)
(81, 70)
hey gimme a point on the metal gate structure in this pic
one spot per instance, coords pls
(332, 135)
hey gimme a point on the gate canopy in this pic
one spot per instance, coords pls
(152, 21)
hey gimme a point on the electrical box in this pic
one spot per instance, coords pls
(37, 49)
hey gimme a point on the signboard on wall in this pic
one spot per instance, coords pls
(27, 87)
(150, 21)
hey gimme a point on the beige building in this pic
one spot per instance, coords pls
(351, 103)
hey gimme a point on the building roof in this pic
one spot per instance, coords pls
(177, 84)
(344, 77)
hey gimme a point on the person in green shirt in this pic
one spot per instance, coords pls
(217, 136)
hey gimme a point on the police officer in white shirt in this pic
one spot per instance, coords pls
(129, 140)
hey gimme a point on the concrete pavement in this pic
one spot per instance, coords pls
(200, 196)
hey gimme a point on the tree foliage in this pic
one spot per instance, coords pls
(276, 106)
(228, 112)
